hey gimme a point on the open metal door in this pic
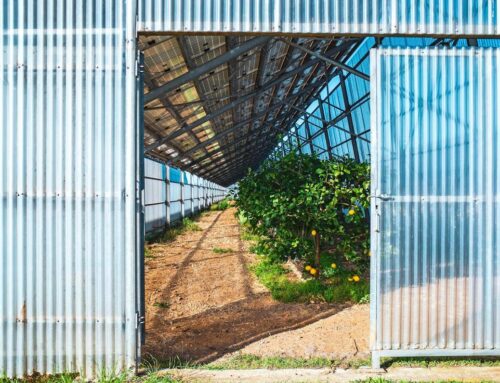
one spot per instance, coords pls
(436, 202)
(140, 222)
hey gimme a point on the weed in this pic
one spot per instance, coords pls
(171, 233)
(190, 225)
(221, 205)
(148, 254)
(221, 250)
(246, 361)
(162, 305)
(336, 289)
(153, 364)
(440, 362)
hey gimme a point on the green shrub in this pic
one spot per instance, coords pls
(221, 205)
(299, 205)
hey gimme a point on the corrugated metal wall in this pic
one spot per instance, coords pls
(443, 17)
(67, 179)
(171, 194)
(436, 221)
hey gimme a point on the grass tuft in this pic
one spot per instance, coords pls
(275, 277)
(152, 364)
(441, 362)
(171, 233)
(222, 250)
(247, 361)
(162, 305)
(221, 205)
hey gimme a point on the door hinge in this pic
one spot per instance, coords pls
(139, 320)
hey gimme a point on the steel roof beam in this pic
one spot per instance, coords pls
(240, 165)
(241, 99)
(244, 123)
(249, 120)
(205, 68)
(328, 60)
(350, 122)
(259, 131)
(312, 87)
(235, 159)
(237, 151)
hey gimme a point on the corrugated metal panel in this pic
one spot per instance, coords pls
(443, 17)
(195, 193)
(67, 179)
(436, 220)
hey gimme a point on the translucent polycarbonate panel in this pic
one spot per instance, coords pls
(436, 205)
(155, 195)
(442, 17)
(195, 195)
(68, 297)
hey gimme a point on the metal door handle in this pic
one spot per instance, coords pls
(383, 197)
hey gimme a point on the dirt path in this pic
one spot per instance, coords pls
(201, 305)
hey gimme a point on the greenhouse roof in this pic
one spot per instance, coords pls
(216, 105)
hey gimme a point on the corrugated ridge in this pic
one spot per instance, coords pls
(67, 171)
(422, 17)
(436, 143)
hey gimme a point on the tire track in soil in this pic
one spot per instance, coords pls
(201, 305)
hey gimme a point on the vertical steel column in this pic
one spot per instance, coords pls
(308, 133)
(325, 128)
(298, 140)
(182, 194)
(167, 201)
(347, 107)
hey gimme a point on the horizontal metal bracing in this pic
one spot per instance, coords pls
(245, 123)
(207, 67)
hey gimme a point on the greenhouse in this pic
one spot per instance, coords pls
(202, 180)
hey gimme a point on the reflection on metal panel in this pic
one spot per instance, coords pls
(165, 195)
(436, 211)
(67, 181)
(442, 17)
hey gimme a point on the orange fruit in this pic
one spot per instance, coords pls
(334, 265)
(355, 278)
(352, 212)
(313, 271)
(313, 233)
(308, 268)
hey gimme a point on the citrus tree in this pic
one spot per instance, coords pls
(299, 204)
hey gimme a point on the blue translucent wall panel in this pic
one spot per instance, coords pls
(196, 195)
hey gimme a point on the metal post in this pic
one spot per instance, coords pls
(325, 129)
(167, 201)
(308, 133)
(182, 194)
(349, 117)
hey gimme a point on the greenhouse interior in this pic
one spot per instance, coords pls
(231, 185)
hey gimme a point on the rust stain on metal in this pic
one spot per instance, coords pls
(23, 317)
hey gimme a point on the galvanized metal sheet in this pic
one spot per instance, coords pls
(436, 211)
(155, 195)
(415, 17)
(168, 201)
(68, 186)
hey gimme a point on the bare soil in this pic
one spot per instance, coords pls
(201, 305)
